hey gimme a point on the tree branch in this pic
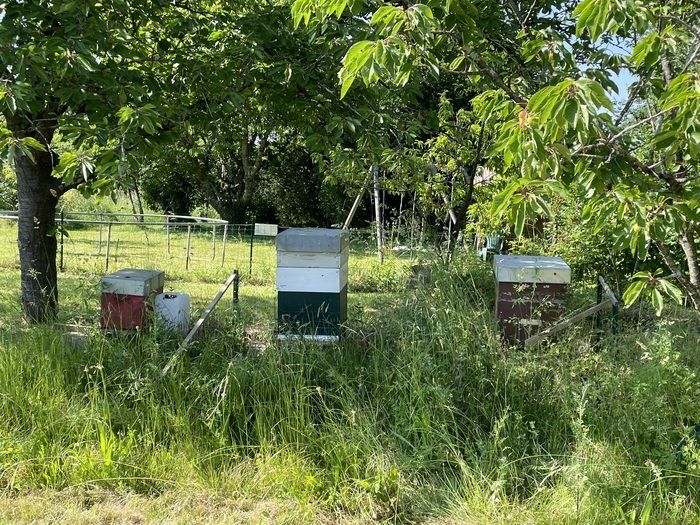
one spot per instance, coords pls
(637, 124)
(496, 78)
(628, 104)
(262, 147)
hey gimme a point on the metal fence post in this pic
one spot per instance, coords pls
(236, 281)
(598, 299)
(99, 235)
(167, 232)
(223, 245)
(109, 240)
(63, 228)
(187, 254)
(250, 258)
(213, 242)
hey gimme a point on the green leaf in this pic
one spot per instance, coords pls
(679, 91)
(502, 201)
(584, 12)
(454, 65)
(33, 143)
(424, 11)
(346, 84)
(593, 16)
(647, 51)
(125, 113)
(386, 15)
(216, 35)
(301, 11)
(357, 55)
(10, 102)
(337, 7)
(670, 290)
(562, 151)
(664, 139)
(657, 300)
(432, 61)
(520, 216)
(633, 291)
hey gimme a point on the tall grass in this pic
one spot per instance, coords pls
(421, 414)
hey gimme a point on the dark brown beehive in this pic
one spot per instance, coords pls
(530, 293)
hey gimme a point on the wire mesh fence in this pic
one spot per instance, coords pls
(100, 242)
(202, 249)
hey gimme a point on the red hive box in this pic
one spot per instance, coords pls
(127, 297)
(530, 293)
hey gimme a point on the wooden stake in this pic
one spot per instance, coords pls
(223, 245)
(398, 225)
(99, 238)
(213, 242)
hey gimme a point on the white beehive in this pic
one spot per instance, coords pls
(312, 278)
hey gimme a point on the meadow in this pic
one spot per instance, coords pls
(421, 414)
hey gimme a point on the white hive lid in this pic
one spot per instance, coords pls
(133, 281)
(531, 269)
(315, 240)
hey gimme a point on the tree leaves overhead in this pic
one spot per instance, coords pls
(545, 73)
(116, 83)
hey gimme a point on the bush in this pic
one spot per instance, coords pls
(8, 188)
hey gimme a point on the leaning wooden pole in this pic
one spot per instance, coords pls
(356, 204)
(610, 300)
(378, 214)
(567, 323)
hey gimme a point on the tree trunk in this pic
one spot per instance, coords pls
(139, 202)
(460, 211)
(36, 238)
(687, 242)
(131, 200)
(692, 290)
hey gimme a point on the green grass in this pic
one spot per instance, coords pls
(420, 415)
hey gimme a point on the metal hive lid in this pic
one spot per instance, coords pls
(133, 281)
(318, 240)
(531, 269)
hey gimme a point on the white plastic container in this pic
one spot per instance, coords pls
(173, 309)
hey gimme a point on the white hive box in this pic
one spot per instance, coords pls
(315, 240)
(312, 278)
(331, 280)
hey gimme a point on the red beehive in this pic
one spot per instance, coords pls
(127, 297)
